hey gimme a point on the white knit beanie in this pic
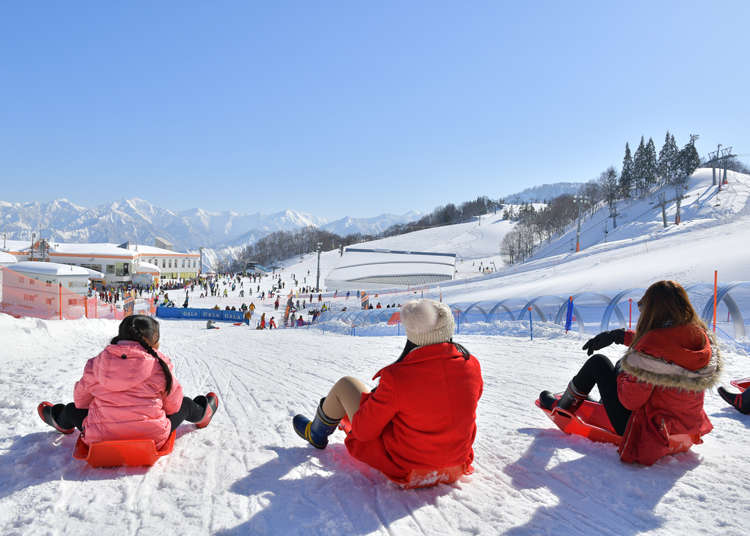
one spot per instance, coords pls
(427, 322)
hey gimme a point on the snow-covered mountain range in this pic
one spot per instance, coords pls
(140, 221)
(544, 192)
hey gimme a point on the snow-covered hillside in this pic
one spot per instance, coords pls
(248, 473)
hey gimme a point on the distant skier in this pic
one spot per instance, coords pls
(129, 391)
(419, 424)
(657, 388)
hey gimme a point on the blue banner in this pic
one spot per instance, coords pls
(220, 315)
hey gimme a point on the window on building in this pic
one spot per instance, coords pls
(110, 268)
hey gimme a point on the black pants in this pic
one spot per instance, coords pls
(71, 416)
(600, 371)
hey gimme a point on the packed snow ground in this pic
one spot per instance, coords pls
(248, 473)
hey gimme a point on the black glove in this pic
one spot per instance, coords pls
(605, 338)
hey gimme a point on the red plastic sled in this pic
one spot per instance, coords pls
(128, 452)
(589, 421)
(742, 384)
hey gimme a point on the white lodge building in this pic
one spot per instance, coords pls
(121, 264)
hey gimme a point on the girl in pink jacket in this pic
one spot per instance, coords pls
(129, 391)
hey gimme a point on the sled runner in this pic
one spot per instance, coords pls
(589, 421)
(128, 452)
(742, 384)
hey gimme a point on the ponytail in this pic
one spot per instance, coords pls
(138, 328)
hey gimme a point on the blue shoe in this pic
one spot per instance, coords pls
(316, 432)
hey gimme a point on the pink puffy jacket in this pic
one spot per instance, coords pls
(124, 389)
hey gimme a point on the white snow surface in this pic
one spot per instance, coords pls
(249, 473)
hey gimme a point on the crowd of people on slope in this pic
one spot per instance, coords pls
(418, 425)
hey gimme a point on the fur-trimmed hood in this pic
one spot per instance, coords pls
(665, 369)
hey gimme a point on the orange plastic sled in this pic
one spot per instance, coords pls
(128, 452)
(742, 384)
(591, 421)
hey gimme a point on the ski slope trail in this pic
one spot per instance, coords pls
(248, 472)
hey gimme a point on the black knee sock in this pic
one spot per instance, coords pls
(190, 411)
(69, 416)
(598, 370)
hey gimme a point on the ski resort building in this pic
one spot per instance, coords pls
(121, 264)
(383, 268)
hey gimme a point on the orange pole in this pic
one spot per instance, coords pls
(86, 306)
(716, 280)
(59, 290)
(630, 313)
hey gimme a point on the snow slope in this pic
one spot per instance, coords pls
(248, 473)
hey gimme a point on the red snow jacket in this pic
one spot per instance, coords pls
(662, 383)
(421, 418)
(126, 398)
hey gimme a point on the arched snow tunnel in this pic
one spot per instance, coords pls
(624, 306)
(588, 308)
(545, 308)
(731, 300)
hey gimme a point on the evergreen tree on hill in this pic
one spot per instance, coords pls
(626, 177)
(639, 168)
(650, 165)
(688, 162)
(667, 164)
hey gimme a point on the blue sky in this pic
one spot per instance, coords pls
(354, 108)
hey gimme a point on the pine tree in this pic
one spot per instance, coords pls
(639, 168)
(626, 177)
(649, 165)
(688, 162)
(667, 160)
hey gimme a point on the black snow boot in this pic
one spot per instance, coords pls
(210, 403)
(50, 414)
(570, 400)
(735, 400)
(316, 432)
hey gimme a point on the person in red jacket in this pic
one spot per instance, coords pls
(656, 390)
(418, 425)
(129, 391)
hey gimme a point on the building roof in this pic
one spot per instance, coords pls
(91, 250)
(51, 269)
(147, 268)
(153, 250)
(7, 258)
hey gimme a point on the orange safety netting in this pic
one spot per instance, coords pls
(25, 296)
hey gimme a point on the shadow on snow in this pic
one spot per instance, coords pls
(352, 499)
(594, 496)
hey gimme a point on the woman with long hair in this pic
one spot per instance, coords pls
(656, 390)
(129, 391)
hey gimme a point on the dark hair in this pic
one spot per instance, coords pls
(140, 329)
(409, 346)
(664, 304)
